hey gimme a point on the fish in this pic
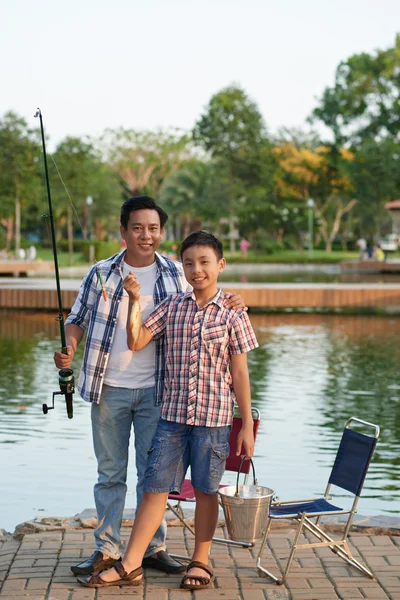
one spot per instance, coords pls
(135, 320)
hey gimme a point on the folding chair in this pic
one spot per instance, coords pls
(348, 473)
(232, 464)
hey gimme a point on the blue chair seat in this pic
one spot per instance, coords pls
(291, 510)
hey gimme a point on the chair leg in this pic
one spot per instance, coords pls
(259, 565)
(180, 517)
(178, 512)
(344, 553)
(294, 546)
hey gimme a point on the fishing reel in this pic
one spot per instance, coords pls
(66, 382)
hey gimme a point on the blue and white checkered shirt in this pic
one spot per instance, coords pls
(98, 318)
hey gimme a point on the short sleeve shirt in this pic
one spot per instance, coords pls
(198, 344)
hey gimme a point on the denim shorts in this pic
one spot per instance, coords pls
(175, 447)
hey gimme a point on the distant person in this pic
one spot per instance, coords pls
(369, 250)
(362, 246)
(21, 254)
(31, 254)
(378, 253)
(244, 246)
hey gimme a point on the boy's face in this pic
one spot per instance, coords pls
(202, 267)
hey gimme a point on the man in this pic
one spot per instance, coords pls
(125, 389)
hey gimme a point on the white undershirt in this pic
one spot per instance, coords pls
(125, 369)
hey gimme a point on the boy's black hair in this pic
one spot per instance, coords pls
(138, 203)
(203, 238)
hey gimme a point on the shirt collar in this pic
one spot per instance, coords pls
(218, 299)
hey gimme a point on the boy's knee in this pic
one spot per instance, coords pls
(205, 497)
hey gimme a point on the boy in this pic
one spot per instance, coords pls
(206, 369)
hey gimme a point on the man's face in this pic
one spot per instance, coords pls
(142, 236)
(202, 267)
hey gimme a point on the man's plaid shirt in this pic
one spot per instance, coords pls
(199, 343)
(92, 314)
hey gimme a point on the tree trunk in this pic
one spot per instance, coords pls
(186, 225)
(279, 236)
(231, 216)
(329, 237)
(70, 236)
(17, 217)
(8, 224)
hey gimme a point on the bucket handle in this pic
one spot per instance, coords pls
(255, 482)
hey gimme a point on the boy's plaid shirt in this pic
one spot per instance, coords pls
(199, 343)
(92, 314)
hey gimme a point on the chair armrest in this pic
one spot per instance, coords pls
(280, 502)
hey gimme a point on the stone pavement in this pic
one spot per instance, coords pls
(37, 568)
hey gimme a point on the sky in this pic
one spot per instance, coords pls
(96, 64)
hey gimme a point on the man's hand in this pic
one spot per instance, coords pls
(245, 441)
(234, 301)
(132, 287)
(63, 361)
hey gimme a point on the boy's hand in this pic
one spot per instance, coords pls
(245, 441)
(234, 301)
(132, 287)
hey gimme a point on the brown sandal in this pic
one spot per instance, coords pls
(95, 581)
(204, 582)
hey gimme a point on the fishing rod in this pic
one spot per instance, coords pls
(65, 376)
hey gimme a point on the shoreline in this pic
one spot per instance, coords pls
(374, 525)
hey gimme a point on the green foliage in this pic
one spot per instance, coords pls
(143, 159)
(230, 125)
(102, 250)
(364, 101)
(19, 173)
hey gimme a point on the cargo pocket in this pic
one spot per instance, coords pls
(153, 458)
(219, 454)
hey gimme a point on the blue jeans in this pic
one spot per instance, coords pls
(112, 421)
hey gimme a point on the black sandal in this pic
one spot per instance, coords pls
(204, 582)
(95, 581)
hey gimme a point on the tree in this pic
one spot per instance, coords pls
(322, 174)
(182, 195)
(143, 159)
(365, 99)
(232, 130)
(375, 172)
(78, 166)
(19, 177)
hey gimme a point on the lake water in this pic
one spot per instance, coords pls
(310, 374)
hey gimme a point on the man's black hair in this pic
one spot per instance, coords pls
(139, 203)
(203, 238)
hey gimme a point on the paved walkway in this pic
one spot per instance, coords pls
(38, 568)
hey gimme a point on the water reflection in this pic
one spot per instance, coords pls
(310, 374)
(333, 275)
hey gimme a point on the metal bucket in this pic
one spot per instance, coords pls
(246, 509)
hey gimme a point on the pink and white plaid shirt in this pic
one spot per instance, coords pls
(199, 342)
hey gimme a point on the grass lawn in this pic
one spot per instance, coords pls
(63, 257)
(294, 256)
(283, 256)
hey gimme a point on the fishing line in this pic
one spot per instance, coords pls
(103, 289)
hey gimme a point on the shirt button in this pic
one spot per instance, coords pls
(101, 374)
(114, 322)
